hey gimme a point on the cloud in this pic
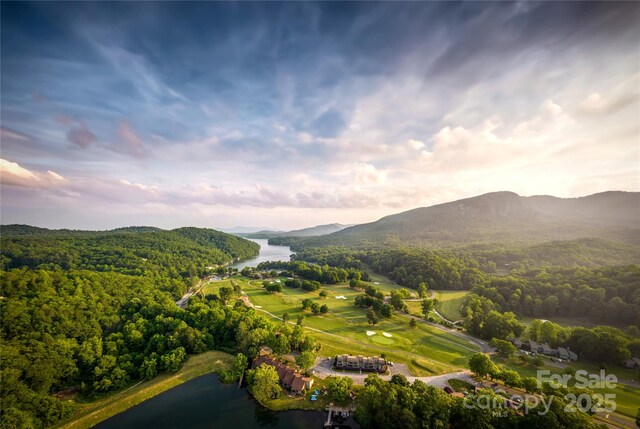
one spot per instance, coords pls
(137, 71)
(7, 133)
(367, 173)
(12, 173)
(415, 144)
(81, 136)
(129, 142)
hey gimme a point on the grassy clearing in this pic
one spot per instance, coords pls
(91, 413)
(450, 303)
(460, 385)
(425, 349)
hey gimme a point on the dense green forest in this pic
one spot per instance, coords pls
(310, 271)
(180, 255)
(399, 404)
(596, 295)
(607, 295)
(95, 311)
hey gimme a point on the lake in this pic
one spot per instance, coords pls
(267, 253)
(204, 402)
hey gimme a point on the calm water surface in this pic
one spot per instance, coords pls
(204, 402)
(267, 253)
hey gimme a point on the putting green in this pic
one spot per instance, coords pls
(378, 339)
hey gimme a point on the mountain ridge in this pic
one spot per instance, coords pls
(504, 216)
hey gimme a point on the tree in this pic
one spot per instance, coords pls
(396, 300)
(306, 359)
(285, 317)
(372, 317)
(503, 347)
(306, 303)
(427, 306)
(530, 384)
(422, 290)
(274, 288)
(315, 308)
(511, 378)
(264, 383)
(300, 320)
(386, 311)
(324, 294)
(481, 365)
(238, 367)
(400, 380)
(225, 293)
(324, 309)
(339, 388)
(413, 323)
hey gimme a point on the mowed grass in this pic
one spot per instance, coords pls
(425, 349)
(450, 303)
(91, 413)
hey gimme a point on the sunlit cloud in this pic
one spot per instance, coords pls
(311, 112)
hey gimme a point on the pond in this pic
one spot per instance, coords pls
(267, 253)
(204, 402)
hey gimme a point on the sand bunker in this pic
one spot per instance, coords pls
(370, 333)
(386, 334)
(341, 297)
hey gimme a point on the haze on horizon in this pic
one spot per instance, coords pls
(287, 115)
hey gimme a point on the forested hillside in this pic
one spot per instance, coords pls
(500, 217)
(179, 255)
(92, 312)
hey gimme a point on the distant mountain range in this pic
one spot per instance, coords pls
(504, 217)
(305, 232)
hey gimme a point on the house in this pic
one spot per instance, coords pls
(534, 347)
(563, 353)
(288, 378)
(361, 363)
(633, 363)
(298, 385)
(308, 382)
(547, 350)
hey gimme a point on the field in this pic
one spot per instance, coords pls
(426, 350)
(91, 413)
(450, 303)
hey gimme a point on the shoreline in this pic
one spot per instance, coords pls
(91, 413)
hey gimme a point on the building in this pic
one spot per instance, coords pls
(561, 352)
(547, 350)
(534, 347)
(361, 363)
(288, 377)
(633, 363)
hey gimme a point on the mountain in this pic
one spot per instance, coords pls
(141, 241)
(503, 217)
(305, 232)
(246, 229)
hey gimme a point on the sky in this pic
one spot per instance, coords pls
(288, 115)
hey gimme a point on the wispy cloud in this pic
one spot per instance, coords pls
(314, 109)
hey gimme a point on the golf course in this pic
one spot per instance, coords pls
(425, 349)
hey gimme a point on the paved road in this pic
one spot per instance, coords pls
(184, 301)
